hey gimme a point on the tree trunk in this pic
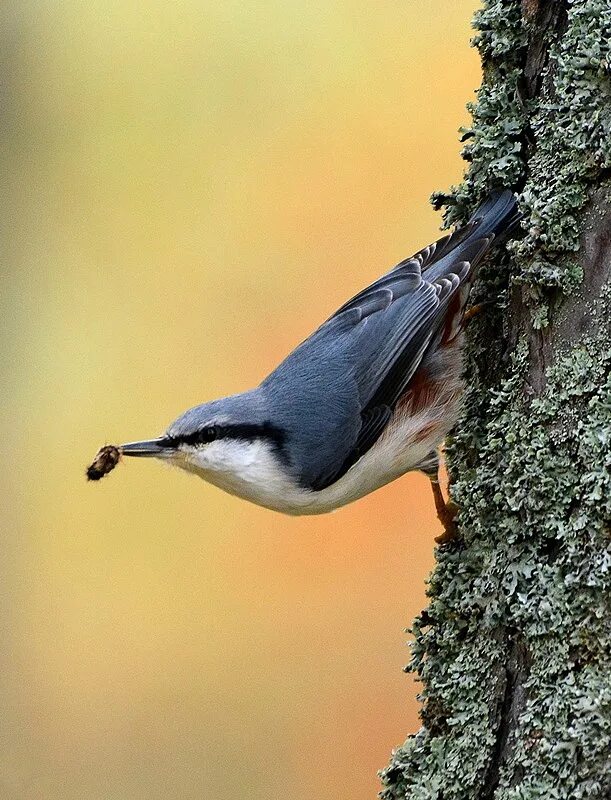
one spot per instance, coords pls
(514, 650)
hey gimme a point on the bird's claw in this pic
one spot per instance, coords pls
(446, 513)
(447, 517)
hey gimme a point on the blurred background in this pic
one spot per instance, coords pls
(190, 188)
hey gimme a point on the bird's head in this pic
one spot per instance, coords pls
(229, 442)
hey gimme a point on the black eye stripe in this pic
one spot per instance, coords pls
(241, 432)
(202, 436)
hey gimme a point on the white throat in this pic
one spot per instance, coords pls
(250, 469)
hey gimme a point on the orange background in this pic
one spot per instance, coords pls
(192, 188)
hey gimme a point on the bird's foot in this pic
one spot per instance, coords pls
(447, 516)
(474, 311)
(446, 512)
(479, 308)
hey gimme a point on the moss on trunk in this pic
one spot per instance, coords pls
(514, 650)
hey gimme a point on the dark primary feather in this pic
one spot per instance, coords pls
(335, 394)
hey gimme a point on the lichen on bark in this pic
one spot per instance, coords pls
(514, 650)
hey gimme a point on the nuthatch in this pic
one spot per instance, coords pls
(368, 396)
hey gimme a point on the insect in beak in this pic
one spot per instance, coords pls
(108, 457)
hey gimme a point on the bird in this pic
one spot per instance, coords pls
(369, 396)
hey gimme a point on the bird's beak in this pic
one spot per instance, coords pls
(147, 448)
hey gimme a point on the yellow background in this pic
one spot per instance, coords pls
(192, 187)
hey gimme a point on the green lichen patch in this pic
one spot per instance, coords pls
(571, 126)
(535, 559)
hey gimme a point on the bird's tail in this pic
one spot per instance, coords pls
(497, 215)
(493, 222)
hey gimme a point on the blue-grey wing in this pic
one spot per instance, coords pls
(335, 393)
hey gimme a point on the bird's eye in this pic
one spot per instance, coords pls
(208, 434)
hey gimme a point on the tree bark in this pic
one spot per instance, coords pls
(514, 650)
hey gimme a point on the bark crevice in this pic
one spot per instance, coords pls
(547, 20)
(513, 702)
